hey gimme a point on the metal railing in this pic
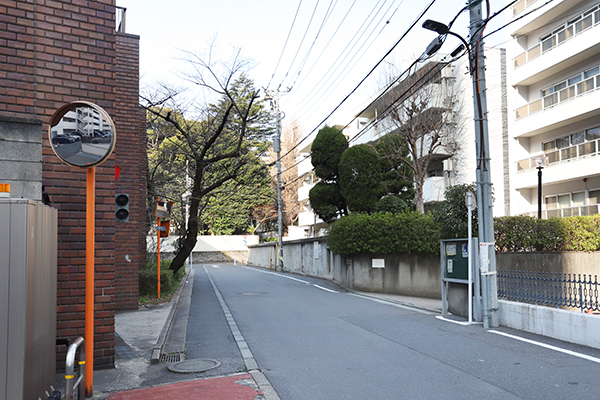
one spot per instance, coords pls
(558, 38)
(71, 383)
(550, 288)
(521, 5)
(578, 211)
(586, 149)
(561, 96)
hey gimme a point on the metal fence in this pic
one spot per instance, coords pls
(550, 288)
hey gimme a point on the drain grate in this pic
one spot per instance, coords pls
(171, 358)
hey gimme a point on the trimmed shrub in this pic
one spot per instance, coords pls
(384, 233)
(522, 233)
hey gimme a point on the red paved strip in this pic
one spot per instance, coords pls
(226, 388)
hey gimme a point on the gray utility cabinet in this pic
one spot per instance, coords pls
(28, 259)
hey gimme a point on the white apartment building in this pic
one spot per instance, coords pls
(455, 163)
(554, 107)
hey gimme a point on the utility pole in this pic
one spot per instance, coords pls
(487, 251)
(274, 97)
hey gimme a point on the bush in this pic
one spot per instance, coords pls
(384, 233)
(168, 281)
(451, 215)
(522, 233)
(393, 204)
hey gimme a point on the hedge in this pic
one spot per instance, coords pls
(168, 281)
(404, 233)
(522, 233)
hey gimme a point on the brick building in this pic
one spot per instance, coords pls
(52, 53)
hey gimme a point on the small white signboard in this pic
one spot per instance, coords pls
(378, 263)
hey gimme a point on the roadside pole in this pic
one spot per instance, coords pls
(487, 252)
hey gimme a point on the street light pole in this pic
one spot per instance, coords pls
(487, 251)
(540, 168)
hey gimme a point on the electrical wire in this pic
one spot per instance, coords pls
(305, 59)
(302, 41)
(368, 74)
(339, 77)
(338, 60)
(285, 44)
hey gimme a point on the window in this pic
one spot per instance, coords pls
(578, 199)
(577, 138)
(591, 72)
(594, 197)
(574, 80)
(592, 134)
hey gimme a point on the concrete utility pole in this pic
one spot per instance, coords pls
(487, 251)
(274, 97)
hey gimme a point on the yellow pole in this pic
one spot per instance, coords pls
(90, 224)
(158, 255)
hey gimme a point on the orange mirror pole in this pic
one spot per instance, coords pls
(89, 280)
(158, 255)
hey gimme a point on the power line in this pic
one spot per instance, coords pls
(301, 42)
(368, 74)
(285, 44)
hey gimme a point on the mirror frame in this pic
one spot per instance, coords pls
(62, 111)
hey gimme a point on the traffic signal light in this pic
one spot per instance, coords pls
(122, 207)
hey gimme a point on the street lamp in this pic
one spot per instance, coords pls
(442, 30)
(541, 162)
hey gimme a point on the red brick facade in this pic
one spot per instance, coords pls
(52, 53)
(130, 237)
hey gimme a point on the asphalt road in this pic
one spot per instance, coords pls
(313, 340)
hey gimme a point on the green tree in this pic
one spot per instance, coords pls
(325, 197)
(360, 178)
(213, 145)
(451, 215)
(396, 175)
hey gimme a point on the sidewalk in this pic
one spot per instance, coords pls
(146, 334)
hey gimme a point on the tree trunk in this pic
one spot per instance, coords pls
(191, 235)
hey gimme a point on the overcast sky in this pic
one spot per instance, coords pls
(322, 69)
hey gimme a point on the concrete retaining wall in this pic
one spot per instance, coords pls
(208, 249)
(575, 327)
(569, 262)
(411, 275)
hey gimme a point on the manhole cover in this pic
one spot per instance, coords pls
(193, 366)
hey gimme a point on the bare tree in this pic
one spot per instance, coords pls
(424, 124)
(215, 142)
(289, 195)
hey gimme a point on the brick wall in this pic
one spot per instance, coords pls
(131, 158)
(52, 53)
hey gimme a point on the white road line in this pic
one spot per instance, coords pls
(215, 266)
(276, 274)
(547, 346)
(463, 323)
(327, 290)
(390, 303)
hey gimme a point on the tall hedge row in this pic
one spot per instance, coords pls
(404, 233)
(413, 232)
(521, 233)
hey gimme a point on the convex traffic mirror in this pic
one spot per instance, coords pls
(82, 134)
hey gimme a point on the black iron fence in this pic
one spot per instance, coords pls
(550, 288)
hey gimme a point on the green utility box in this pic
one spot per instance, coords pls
(456, 257)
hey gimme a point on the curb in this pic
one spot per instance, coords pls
(157, 351)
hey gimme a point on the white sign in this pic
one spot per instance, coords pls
(378, 263)
(484, 257)
(450, 267)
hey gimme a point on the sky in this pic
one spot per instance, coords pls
(315, 51)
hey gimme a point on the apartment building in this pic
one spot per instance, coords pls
(454, 161)
(554, 107)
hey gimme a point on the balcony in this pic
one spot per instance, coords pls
(571, 153)
(579, 211)
(525, 20)
(434, 189)
(551, 55)
(568, 105)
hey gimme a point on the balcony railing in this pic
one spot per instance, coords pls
(558, 38)
(586, 149)
(521, 5)
(579, 211)
(555, 98)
